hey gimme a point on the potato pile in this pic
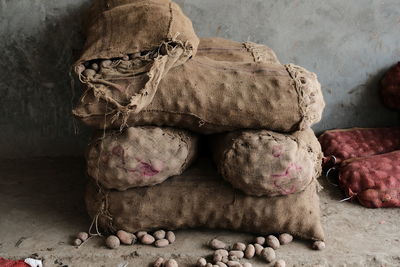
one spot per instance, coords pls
(151, 87)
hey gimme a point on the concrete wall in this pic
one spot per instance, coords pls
(347, 43)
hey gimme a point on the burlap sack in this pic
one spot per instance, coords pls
(265, 163)
(374, 180)
(209, 96)
(226, 50)
(139, 156)
(197, 199)
(343, 144)
(140, 36)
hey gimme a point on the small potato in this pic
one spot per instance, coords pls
(201, 262)
(319, 245)
(280, 263)
(89, 73)
(221, 252)
(140, 234)
(217, 244)
(285, 238)
(268, 254)
(217, 257)
(95, 66)
(209, 265)
(147, 239)
(272, 242)
(220, 264)
(112, 242)
(160, 234)
(170, 237)
(82, 236)
(77, 242)
(161, 243)
(258, 249)
(260, 240)
(125, 58)
(236, 255)
(106, 63)
(126, 238)
(159, 262)
(247, 264)
(249, 251)
(171, 263)
(239, 246)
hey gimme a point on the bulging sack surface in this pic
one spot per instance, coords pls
(265, 163)
(210, 96)
(139, 156)
(127, 37)
(344, 144)
(374, 181)
(198, 199)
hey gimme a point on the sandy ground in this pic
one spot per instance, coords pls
(41, 208)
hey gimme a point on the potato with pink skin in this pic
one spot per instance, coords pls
(139, 156)
(344, 144)
(266, 163)
(374, 180)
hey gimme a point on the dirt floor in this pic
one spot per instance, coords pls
(41, 209)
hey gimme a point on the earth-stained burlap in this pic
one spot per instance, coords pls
(139, 156)
(154, 34)
(265, 163)
(197, 199)
(210, 96)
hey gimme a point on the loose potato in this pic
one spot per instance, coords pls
(77, 242)
(250, 251)
(171, 263)
(112, 242)
(239, 246)
(201, 262)
(221, 264)
(280, 263)
(147, 239)
(217, 244)
(285, 238)
(161, 243)
(236, 255)
(159, 262)
(170, 237)
(258, 248)
(260, 240)
(160, 234)
(126, 238)
(272, 242)
(268, 254)
(82, 236)
(140, 234)
(319, 245)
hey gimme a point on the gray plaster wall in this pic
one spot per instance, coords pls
(349, 44)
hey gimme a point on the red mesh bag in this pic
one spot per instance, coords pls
(390, 87)
(373, 180)
(12, 263)
(344, 144)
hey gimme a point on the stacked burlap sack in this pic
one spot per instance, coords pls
(151, 86)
